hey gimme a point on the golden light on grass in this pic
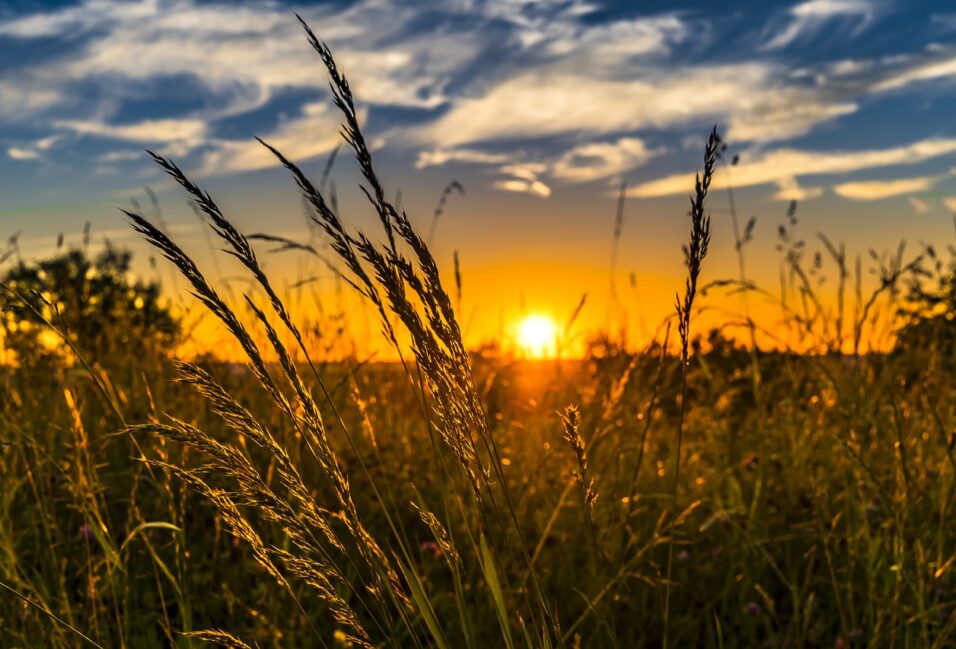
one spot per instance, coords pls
(537, 335)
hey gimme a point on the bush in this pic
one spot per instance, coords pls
(93, 301)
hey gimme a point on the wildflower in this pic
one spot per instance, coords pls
(430, 548)
(753, 609)
(683, 555)
(750, 462)
(86, 532)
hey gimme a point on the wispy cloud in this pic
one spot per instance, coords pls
(919, 205)
(601, 160)
(318, 119)
(154, 130)
(444, 156)
(807, 19)
(524, 178)
(751, 97)
(871, 190)
(781, 165)
(790, 190)
(914, 70)
(20, 153)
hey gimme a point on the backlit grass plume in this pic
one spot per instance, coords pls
(694, 253)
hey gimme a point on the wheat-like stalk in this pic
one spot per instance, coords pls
(694, 253)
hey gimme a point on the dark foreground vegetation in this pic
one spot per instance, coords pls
(695, 493)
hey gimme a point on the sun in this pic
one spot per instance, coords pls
(537, 335)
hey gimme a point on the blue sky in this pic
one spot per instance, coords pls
(541, 94)
(540, 109)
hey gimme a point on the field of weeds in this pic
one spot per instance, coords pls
(697, 492)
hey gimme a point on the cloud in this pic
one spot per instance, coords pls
(524, 178)
(121, 156)
(950, 203)
(914, 72)
(77, 19)
(247, 54)
(33, 151)
(789, 189)
(439, 157)
(533, 187)
(782, 165)
(807, 19)
(557, 28)
(147, 131)
(551, 102)
(618, 41)
(871, 190)
(319, 120)
(24, 97)
(18, 153)
(601, 159)
(921, 206)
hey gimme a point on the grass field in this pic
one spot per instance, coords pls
(697, 492)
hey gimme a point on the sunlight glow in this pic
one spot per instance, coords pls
(537, 335)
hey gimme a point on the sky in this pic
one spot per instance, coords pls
(539, 109)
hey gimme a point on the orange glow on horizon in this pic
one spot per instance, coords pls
(537, 335)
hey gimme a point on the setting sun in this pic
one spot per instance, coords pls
(537, 335)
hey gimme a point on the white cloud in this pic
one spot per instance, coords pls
(248, 53)
(24, 97)
(871, 190)
(557, 29)
(950, 203)
(921, 206)
(550, 102)
(319, 120)
(524, 178)
(439, 157)
(781, 165)
(936, 68)
(76, 19)
(18, 153)
(807, 19)
(33, 151)
(533, 187)
(147, 131)
(617, 41)
(582, 163)
(601, 159)
(783, 116)
(789, 189)
(121, 156)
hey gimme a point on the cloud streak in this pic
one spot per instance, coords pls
(807, 19)
(872, 190)
(785, 165)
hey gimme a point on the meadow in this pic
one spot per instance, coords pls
(701, 491)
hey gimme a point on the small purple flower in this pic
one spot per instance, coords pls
(86, 532)
(753, 609)
(683, 555)
(430, 548)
